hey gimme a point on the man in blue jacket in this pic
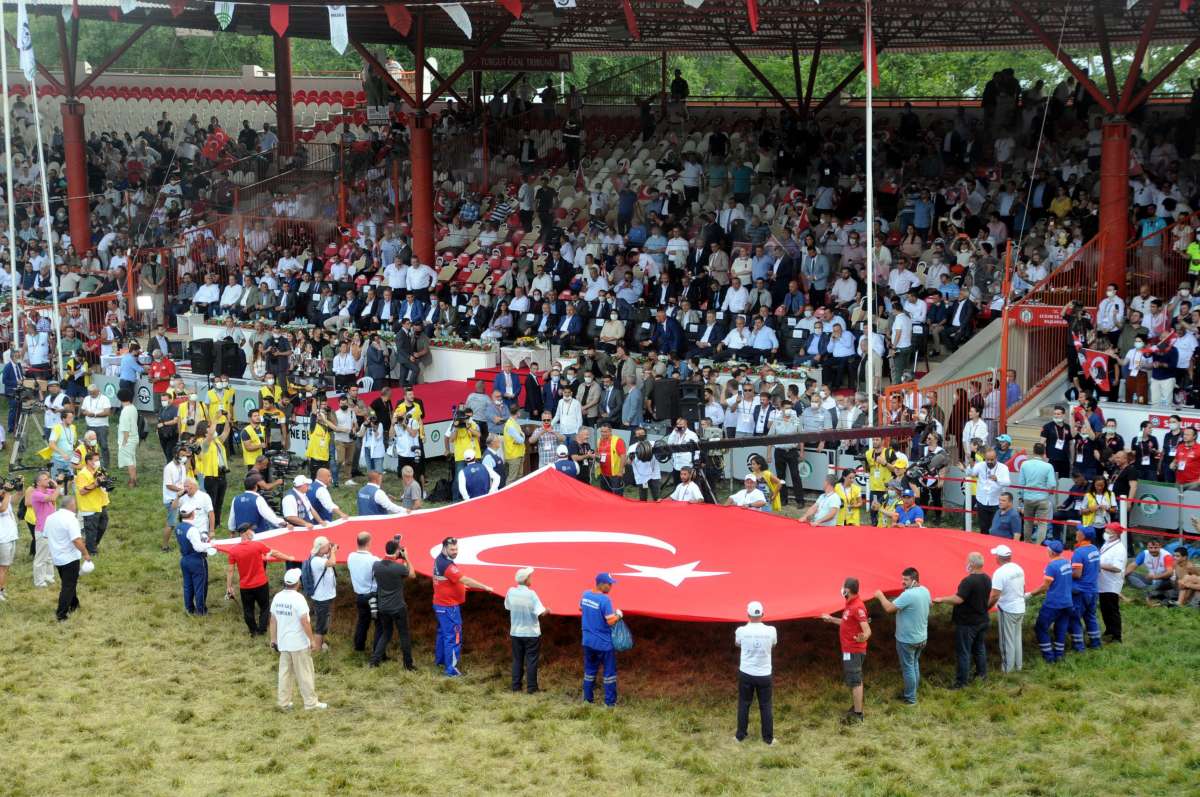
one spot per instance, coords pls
(1058, 608)
(1085, 585)
(597, 616)
(667, 335)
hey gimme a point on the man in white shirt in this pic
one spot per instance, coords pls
(1110, 315)
(991, 477)
(737, 298)
(737, 339)
(292, 635)
(749, 497)
(195, 500)
(1008, 596)
(682, 460)
(230, 294)
(687, 491)
(295, 506)
(64, 539)
(1113, 560)
(974, 429)
(902, 345)
(755, 640)
(322, 566)
(322, 501)
(901, 280)
(824, 511)
(568, 416)
(207, 296)
(361, 564)
(95, 410)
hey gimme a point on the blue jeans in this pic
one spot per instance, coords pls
(969, 647)
(448, 650)
(593, 661)
(910, 667)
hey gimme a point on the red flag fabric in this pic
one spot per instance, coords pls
(114, 14)
(398, 18)
(752, 13)
(1095, 366)
(177, 7)
(279, 18)
(870, 60)
(631, 20)
(513, 7)
(672, 560)
(75, 9)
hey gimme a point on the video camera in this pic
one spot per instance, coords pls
(105, 481)
(460, 416)
(924, 468)
(13, 483)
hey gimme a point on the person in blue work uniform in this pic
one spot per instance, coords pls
(475, 478)
(1058, 608)
(1085, 571)
(564, 464)
(449, 594)
(250, 507)
(194, 550)
(597, 618)
(372, 500)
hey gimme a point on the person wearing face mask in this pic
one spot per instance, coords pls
(682, 460)
(1170, 445)
(1113, 560)
(1112, 441)
(612, 333)
(589, 399)
(991, 477)
(220, 399)
(644, 466)
(1088, 448)
(175, 476)
(785, 455)
(1136, 367)
(1110, 315)
(269, 388)
(1058, 441)
(854, 629)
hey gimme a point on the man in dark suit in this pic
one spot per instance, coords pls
(377, 362)
(508, 385)
(158, 342)
(816, 348)
(551, 391)
(368, 313)
(667, 335)
(533, 394)
(560, 270)
(711, 333)
(568, 329)
(611, 399)
(406, 366)
(960, 322)
(474, 319)
(661, 292)
(781, 274)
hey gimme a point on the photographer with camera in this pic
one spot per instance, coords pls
(462, 437)
(42, 497)
(212, 463)
(253, 438)
(319, 580)
(390, 574)
(54, 402)
(374, 442)
(320, 434)
(883, 464)
(92, 484)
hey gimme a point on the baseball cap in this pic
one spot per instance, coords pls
(1002, 550)
(469, 454)
(301, 480)
(1003, 438)
(605, 578)
(1054, 545)
(754, 609)
(907, 494)
(292, 577)
(561, 451)
(523, 574)
(750, 478)
(1089, 532)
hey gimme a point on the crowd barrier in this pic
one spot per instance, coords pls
(1158, 259)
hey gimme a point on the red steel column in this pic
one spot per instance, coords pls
(284, 119)
(421, 152)
(75, 152)
(1114, 205)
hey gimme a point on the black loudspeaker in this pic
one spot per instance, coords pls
(227, 359)
(175, 349)
(200, 352)
(693, 410)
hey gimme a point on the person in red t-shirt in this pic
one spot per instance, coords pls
(1187, 460)
(161, 370)
(249, 557)
(854, 629)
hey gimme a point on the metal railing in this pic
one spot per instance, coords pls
(1159, 259)
(946, 402)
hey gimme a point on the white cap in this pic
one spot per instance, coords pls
(754, 609)
(193, 397)
(1002, 550)
(301, 480)
(562, 451)
(469, 454)
(292, 577)
(87, 567)
(523, 574)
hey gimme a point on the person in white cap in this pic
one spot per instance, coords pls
(295, 506)
(476, 478)
(564, 464)
(755, 639)
(749, 496)
(1008, 596)
(524, 608)
(292, 637)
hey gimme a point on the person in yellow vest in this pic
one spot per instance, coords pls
(212, 463)
(884, 463)
(769, 483)
(414, 409)
(253, 438)
(320, 439)
(514, 445)
(274, 418)
(610, 453)
(191, 413)
(852, 499)
(89, 443)
(220, 395)
(1193, 255)
(270, 390)
(460, 438)
(92, 499)
(62, 445)
(885, 506)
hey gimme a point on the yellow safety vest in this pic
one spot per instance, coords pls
(274, 391)
(847, 515)
(224, 399)
(885, 508)
(208, 461)
(318, 443)
(512, 450)
(402, 408)
(254, 436)
(187, 424)
(463, 440)
(1193, 253)
(93, 500)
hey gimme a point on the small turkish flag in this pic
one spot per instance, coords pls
(1095, 366)
(398, 17)
(752, 13)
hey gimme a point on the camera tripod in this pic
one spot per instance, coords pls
(18, 436)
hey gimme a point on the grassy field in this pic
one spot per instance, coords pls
(134, 697)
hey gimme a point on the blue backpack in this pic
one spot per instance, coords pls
(308, 584)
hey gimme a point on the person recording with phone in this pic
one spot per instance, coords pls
(390, 574)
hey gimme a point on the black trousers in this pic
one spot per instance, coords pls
(526, 651)
(362, 603)
(787, 461)
(651, 489)
(257, 598)
(94, 526)
(384, 627)
(1110, 610)
(68, 579)
(750, 686)
(986, 514)
(215, 487)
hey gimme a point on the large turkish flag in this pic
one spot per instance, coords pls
(670, 560)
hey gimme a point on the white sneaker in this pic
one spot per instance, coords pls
(3, 597)
(288, 707)
(317, 707)
(350, 483)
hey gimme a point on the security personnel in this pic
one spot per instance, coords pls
(449, 594)
(250, 507)
(194, 550)
(475, 478)
(1193, 256)
(253, 438)
(1085, 586)
(191, 413)
(220, 395)
(212, 463)
(848, 490)
(319, 442)
(597, 616)
(1058, 608)
(372, 500)
(514, 448)
(297, 509)
(273, 415)
(883, 464)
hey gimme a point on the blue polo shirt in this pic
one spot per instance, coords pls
(1058, 594)
(1088, 582)
(909, 516)
(597, 633)
(1006, 524)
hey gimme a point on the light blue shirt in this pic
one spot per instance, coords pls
(131, 369)
(912, 615)
(1037, 473)
(523, 606)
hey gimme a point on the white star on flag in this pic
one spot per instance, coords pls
(672, 575)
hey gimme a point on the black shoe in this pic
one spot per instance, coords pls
(852, 718)
(410, 667)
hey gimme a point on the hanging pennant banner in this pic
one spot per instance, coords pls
(66, 13)
(398, 18)
(513, 7)
(224, 13)
(338, 36)
(459, 14)
(693, 3)
(631, 20)
(25, 42)
(279, 19)
(177, 7)
(752, 13)
(128, 6)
